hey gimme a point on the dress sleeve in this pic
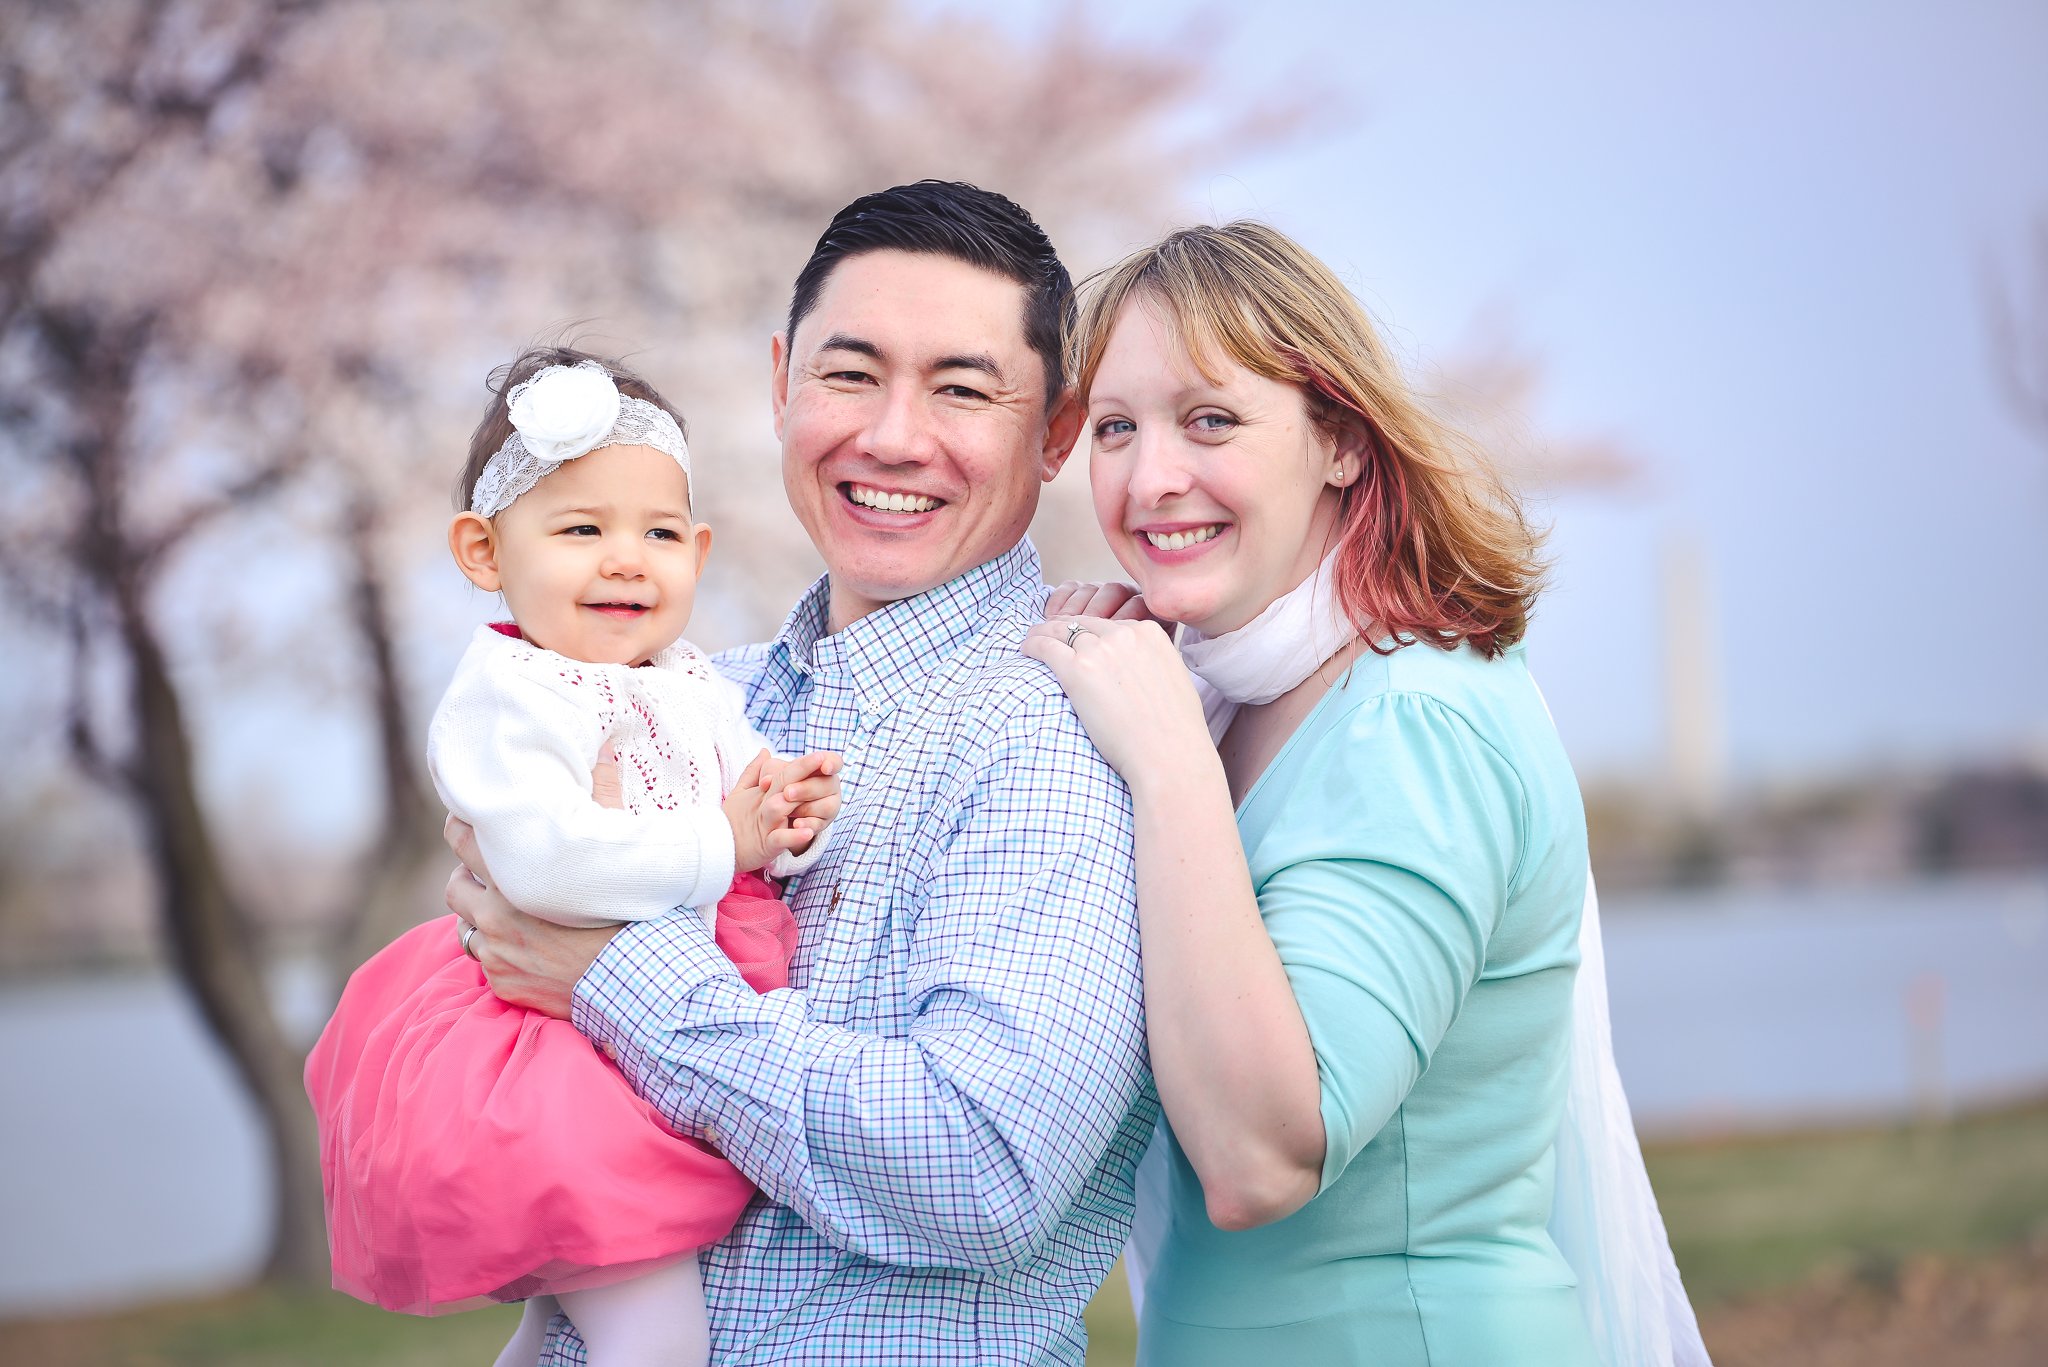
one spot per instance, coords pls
(512, 756)
(1383, 877)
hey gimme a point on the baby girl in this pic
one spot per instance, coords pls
(476, 1151)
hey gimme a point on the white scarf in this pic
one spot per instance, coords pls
(1604, 1215)
(1276, 650)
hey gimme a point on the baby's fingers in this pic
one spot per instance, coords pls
(818, 762)
(789, 840)
(812, 789)
(822, 810)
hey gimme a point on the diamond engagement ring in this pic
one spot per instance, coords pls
(1074, 629)
(468, 934)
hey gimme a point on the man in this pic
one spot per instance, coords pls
(946, 1108)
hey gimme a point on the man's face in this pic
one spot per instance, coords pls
(913, 423)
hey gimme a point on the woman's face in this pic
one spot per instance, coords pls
(1216, 497)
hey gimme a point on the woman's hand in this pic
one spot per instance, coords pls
(1080, 598)
(1131, 691)
(528, 961)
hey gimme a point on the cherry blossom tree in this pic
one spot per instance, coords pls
(255, 258)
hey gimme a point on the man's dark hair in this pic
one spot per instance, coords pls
(967, 223)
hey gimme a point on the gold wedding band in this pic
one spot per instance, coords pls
(468, 934)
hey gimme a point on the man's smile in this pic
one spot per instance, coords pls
(888, 500)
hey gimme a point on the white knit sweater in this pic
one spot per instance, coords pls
(511, 749)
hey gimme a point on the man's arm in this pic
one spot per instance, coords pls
(965, 1142)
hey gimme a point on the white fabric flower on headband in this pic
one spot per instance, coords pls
(565, 411)
(560, 414)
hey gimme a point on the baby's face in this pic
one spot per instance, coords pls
(599, 561)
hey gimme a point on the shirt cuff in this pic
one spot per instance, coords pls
(635, 990)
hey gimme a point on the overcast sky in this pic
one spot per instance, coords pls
(1752, 243)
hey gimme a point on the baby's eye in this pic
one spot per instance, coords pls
(664, 534)
(582, 529)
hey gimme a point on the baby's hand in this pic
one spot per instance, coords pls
(780, 805)
(811, 782)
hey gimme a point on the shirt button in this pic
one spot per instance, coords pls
(611, 1051)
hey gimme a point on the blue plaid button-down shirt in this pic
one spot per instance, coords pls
(945, 1109)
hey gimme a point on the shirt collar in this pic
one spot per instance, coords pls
(892, 647)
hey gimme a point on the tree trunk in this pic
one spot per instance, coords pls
(213, 946)
(394, 893)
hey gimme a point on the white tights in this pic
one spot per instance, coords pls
(654, 1320)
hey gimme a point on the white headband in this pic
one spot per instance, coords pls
(560, 414)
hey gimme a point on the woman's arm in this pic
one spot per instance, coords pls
(1230, 1051)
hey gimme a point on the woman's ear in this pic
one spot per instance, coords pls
(1350, 450)
(475, 548)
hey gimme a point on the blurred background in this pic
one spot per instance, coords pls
(1753, 300)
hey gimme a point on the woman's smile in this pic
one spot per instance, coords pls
(1177, 543)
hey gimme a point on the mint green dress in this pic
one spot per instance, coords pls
(1419, 853)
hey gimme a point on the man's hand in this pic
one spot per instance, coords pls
(528, 961)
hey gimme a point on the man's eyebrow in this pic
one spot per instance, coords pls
(979, 360)
(860, 346)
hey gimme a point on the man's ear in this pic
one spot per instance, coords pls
(475, 548)
(1062, 431)
(778, 378)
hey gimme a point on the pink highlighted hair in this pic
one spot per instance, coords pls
(1431, 545)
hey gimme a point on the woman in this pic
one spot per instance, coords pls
(1361, 906)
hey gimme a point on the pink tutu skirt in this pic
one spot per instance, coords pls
(474, 1151)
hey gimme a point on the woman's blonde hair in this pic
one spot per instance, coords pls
(1431, 545)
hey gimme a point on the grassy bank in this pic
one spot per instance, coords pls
(1749, 1218)
(1751, 1214)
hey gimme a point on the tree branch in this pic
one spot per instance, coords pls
(258, 483)
(87, 752)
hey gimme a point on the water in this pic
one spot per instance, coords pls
(1746, 1010)
(131, 1167)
